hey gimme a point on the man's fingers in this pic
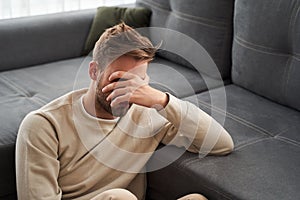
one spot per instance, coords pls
(122, 75)
(128, 76)
(134, 81)
(119, 99)
(114, 85)
(122, 90)
(118, 92)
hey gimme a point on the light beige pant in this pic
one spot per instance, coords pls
(122, 194)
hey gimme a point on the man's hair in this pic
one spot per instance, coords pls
(122, 40)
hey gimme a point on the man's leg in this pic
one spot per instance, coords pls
(115, 194)
(193, 197)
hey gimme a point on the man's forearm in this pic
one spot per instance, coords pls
(195, 130)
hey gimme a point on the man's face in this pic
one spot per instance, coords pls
(124, 63)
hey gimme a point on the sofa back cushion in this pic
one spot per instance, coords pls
(266, 49)
(107, 17)
(208, 22)
(40, 39)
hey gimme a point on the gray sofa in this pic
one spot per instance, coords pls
(256, 47)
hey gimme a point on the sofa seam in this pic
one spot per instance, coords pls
(238, 119)
(288, 140)
(15, 87)
(283, 131)
(291, 68)
(286, 75)
(251, 143)
(265, 52)
(255, 45)
(23, 92)
(7, 100)
(192, 17)
(38, 100)
(197, 22)
(156, 6)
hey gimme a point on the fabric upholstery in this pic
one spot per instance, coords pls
(35, 40)
(107, 17)
(265, 162)
(209, 25)
(248, 173)
(254, 111)
(266, 49)
(178, 80)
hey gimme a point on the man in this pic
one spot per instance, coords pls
(93, 143)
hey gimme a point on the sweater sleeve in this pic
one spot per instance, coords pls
(190, 127)
(37, 165)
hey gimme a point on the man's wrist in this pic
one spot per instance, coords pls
(162, 101)
(165, 100)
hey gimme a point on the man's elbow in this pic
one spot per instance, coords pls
(228, 147)
(224, 146)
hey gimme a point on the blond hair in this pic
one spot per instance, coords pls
(122, 40)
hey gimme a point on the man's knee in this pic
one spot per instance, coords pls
(115, 194)
(193, 197)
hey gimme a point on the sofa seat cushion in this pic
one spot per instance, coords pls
(264, 164)
(266, 169)
(47, 81)
(258, 113)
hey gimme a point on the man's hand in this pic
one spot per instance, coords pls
(134, 89)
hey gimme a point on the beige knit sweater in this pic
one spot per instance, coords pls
(62, 152)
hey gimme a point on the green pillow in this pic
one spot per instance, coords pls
(107, 17)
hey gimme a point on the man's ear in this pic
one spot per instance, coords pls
(93, 70)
